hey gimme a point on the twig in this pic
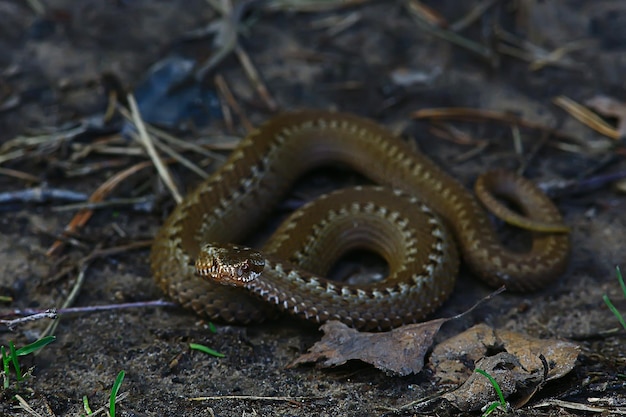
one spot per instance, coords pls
(473, 115)
(581, 407)
(474, 14)
(184, 145)
(40, 195)
(415, 8)
(26, 407)
(19, 174)
(254, 398)
(568, 187)
(47, 314)
(312, 6)
(29, 314)
(222, 87)
(586, 117)
(147, 143)
(255, 78)
(144, 204)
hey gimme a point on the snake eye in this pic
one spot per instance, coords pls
(243, 269)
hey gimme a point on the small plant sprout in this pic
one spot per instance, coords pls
(86, 406)
(206, 350)
(502, 404)
(114, 390)
(10, 357)
(608, 302)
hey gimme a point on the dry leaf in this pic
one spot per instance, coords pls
(400, 351)
(478, 391)
(525, 362)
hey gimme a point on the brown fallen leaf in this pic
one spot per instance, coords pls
(400, 351)
(477, 390)
(521, 364)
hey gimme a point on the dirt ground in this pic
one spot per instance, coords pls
(373, 59)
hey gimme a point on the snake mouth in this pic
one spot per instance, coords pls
(229, 264)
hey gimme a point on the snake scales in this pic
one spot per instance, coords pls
(422, 258)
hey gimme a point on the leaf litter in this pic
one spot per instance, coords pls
(520, 364)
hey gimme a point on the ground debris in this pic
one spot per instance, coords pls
(398, 352)
(520, 364)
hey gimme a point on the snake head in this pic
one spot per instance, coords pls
(229, 264)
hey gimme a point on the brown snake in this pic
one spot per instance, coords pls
(421, 256)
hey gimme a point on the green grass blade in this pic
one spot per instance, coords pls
(35, 346)
(621, 280)
(16, 363)
(614, 310)
(206, 349)
(86, 406)
(491, 408)
(212, 328)
(114, 390)
(495, 386)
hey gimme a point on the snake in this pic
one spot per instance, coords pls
(416, 216)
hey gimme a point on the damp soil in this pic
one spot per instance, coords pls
(355, 59)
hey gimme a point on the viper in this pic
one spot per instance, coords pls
(418, 219)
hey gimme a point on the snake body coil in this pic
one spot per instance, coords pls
(231, 202)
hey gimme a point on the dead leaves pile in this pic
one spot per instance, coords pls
(521, 365)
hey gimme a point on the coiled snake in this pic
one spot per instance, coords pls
(397, 222)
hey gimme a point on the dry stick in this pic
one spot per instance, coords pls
(581, 407)
(92, 167)
(255, 79)
(26, 407)
(83, 216)
(586, 117)
(184, 145)
(102, 143)
(41, 194)
(536, 55)
(227, 114)
(163, 147)
(312, 6)
(222, 87)
(138, 203)
(33, 316)
(554, 57)
(416, 11)
(26, 313)
(30, 314)
(479, 115)
(609, 107)
(473, 15)
(146, 141)
(19, 175)
(181, 159)
(254, 398)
